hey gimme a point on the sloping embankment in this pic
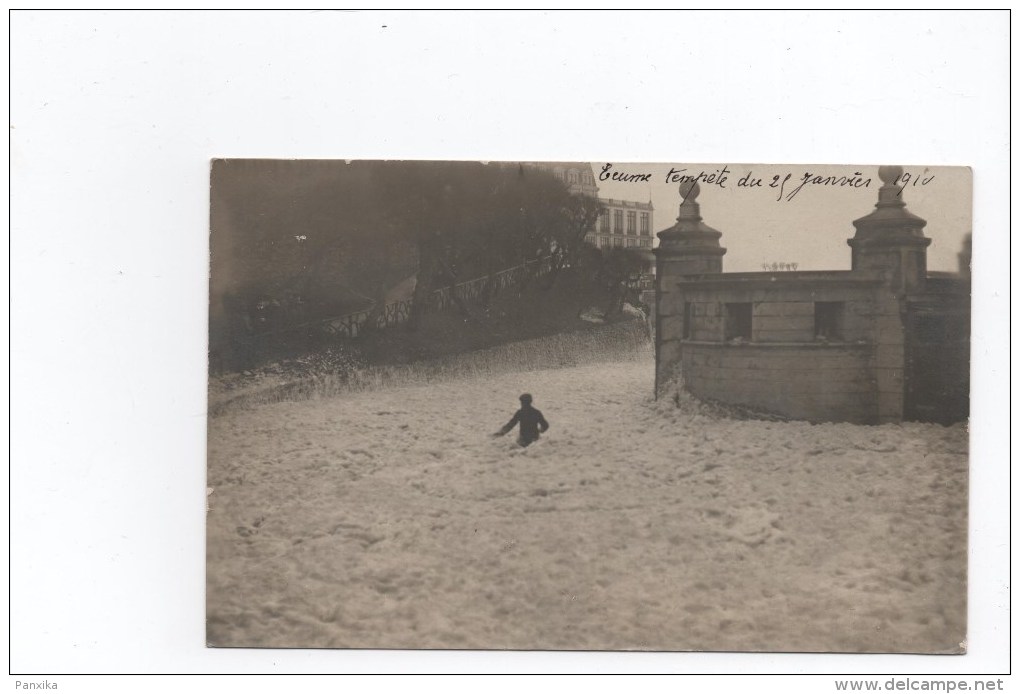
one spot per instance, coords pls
(616, 342)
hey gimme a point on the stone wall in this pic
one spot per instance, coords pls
(789, 363)
(811, 382)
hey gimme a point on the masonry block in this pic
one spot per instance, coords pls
(671, 327)
(888, 357)
(859, 308)
(888, 325)
(799, 308)
(667, 305)
(712, 308)
(767, 308)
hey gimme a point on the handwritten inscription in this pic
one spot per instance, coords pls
(854, 180)
(716, 178)
(786, 185)
(608, 175)
(682, 175)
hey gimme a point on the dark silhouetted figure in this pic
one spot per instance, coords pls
(531, 420)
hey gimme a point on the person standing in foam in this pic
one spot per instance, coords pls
(531, 420)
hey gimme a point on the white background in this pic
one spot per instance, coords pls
(114, 117)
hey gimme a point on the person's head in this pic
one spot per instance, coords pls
(526, 399)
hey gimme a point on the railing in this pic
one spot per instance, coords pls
(353, 324)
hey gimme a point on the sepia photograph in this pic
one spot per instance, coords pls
(660, 344)
(595, 406)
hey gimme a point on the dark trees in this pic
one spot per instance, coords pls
(299, 241)
(579, 215)
(617, 271)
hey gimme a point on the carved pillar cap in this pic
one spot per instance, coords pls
(690, 236)
(689, 191)
(890, 223)
(890, 174)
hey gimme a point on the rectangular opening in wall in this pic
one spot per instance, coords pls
(688, 313)
(738, 321)
(829, 320)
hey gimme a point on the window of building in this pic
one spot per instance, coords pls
(617, 242)
(738, 321)
(631, 243)
(631, 222)
(618, 221)
(604, 221)
(688, 315)
(645, 224)
(829, 320)
(646, 243)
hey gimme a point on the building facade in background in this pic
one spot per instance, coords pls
(624, 224)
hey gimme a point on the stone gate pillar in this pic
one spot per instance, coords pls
(689, 247)
(891, 238)
(890, 241)
(964, 256)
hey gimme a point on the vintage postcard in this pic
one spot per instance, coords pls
(588, 406)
